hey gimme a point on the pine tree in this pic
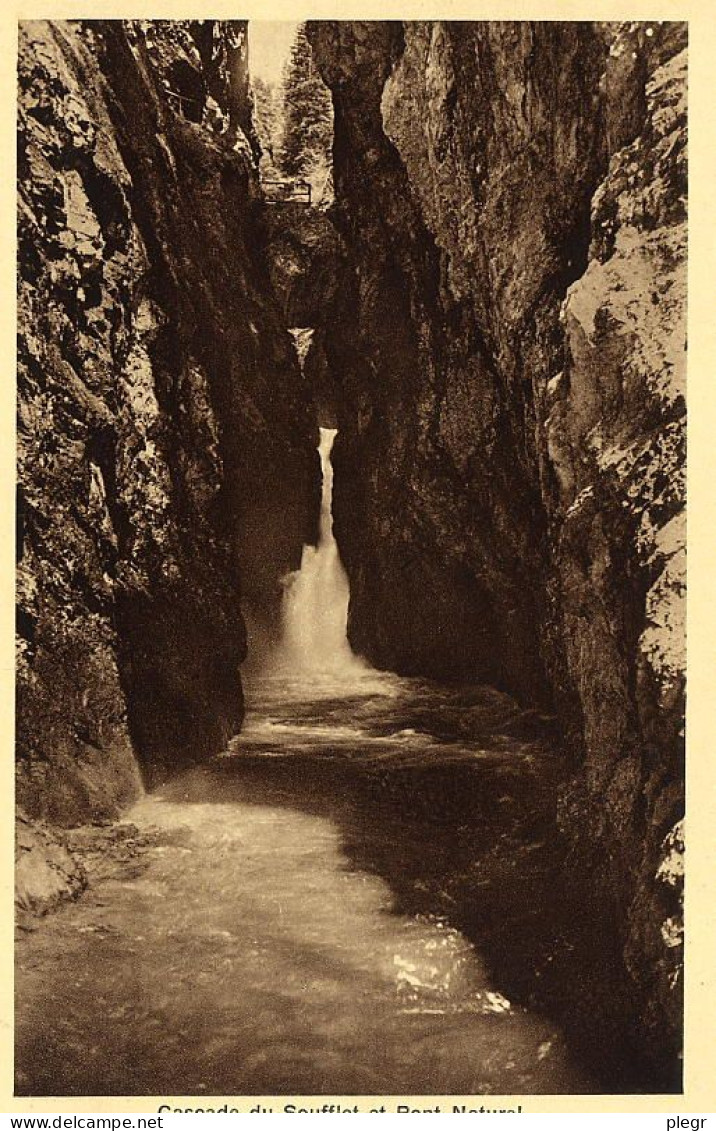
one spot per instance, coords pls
(308, 114)
(268, 123)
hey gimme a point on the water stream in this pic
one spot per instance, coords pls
(353, 899)
(315, 645)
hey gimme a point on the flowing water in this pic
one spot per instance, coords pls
(353, 899)
(315, 644)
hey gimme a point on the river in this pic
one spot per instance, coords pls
(360, 896)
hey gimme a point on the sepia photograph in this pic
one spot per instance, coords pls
(351, 558)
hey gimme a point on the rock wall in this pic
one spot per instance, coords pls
(614, 424)
(166, 442)
(509, 356)
(305, 262)
(308, 273)
(46, 874)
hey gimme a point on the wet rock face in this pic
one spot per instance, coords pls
(462, 185)
(305, 262)
(615, 434)
(308, 272)
(510, 351)
(46, 874)
(163, 425)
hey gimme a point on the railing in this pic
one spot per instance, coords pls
(285, 192)
(179, 101)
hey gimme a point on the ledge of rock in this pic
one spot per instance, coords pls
(46, 874)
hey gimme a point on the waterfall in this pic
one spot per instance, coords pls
(314, 639)
(315, 606)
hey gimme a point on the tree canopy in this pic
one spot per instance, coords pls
(268, 121)
(307, 114)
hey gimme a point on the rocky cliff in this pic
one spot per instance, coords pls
(500, 330)
(509, 361)
(308, 273)
(166, 462)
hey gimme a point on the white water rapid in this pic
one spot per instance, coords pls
(322, 909)
(315, 607)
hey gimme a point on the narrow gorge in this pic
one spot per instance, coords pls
(351, 563)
